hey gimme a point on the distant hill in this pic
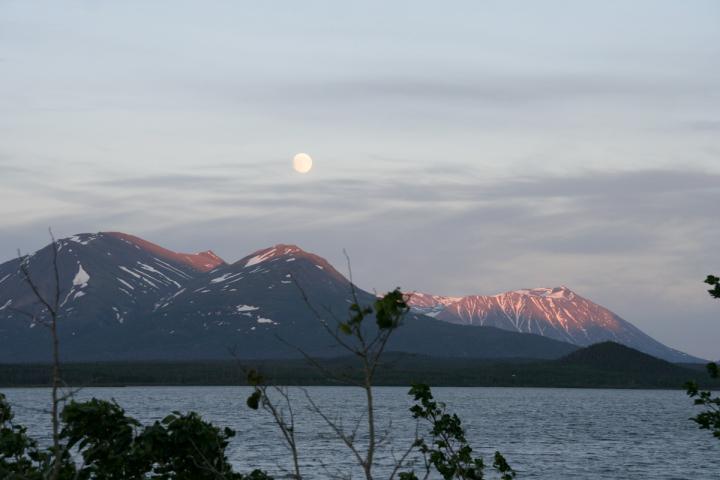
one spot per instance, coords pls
(612, 356)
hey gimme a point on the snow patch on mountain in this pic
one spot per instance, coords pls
(272, 254)
(246, 308)
(224, 277)
(557, 292)
(157, 272)
(81, 277)
(127, 270)
(119, 318)
(125, 283)
(260, 258)
(170, 268)
(82, 239)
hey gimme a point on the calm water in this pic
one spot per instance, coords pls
(544, 433)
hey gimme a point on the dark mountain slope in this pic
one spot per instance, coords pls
(108, 282)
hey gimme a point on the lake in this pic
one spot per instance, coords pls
(543, 433)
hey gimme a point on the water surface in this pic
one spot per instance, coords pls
(543, 433)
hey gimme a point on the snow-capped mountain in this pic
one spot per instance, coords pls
(273, 301)
(106, 280)
(123, 297)
(275, 275)
(254, 300)
(127, 299)
(557, 313)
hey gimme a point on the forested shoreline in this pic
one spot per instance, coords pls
(400, 370)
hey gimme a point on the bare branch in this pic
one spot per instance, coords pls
(353, 290)
(56, 270)
(287, 427)
(25, 269)
(401, 462)
(315, 363)
(354, 336)
(335, 428)
(53, 307)
(322, 321)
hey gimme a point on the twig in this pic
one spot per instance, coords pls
(53, 307)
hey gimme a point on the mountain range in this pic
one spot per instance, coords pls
(124, 298)
(557, 313)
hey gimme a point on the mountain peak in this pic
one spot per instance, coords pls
(270, 253)
(426, 300)
(554, 312)
(283, 256)
(202, 261)
(545, 292)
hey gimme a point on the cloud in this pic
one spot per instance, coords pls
(702, 126)
(626, 183)
(497, 89)
(599, 198)
(594, 214)
(169, 181)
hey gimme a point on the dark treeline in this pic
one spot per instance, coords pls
(398, 369)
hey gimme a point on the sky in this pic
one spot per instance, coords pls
(459, 147)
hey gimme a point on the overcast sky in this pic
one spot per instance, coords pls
(459, 147)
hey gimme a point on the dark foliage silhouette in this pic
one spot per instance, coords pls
(710, 418)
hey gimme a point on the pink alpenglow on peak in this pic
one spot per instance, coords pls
(270, 253)
(282, 256)
(557, 313)
(202, 261)
(428, 304)
(281, 250)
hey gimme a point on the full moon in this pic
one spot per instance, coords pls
(302, 163)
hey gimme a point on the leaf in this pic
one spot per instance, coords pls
(168, 419)
(253, 400)
(715, 281)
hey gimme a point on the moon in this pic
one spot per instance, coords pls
(302, 163)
